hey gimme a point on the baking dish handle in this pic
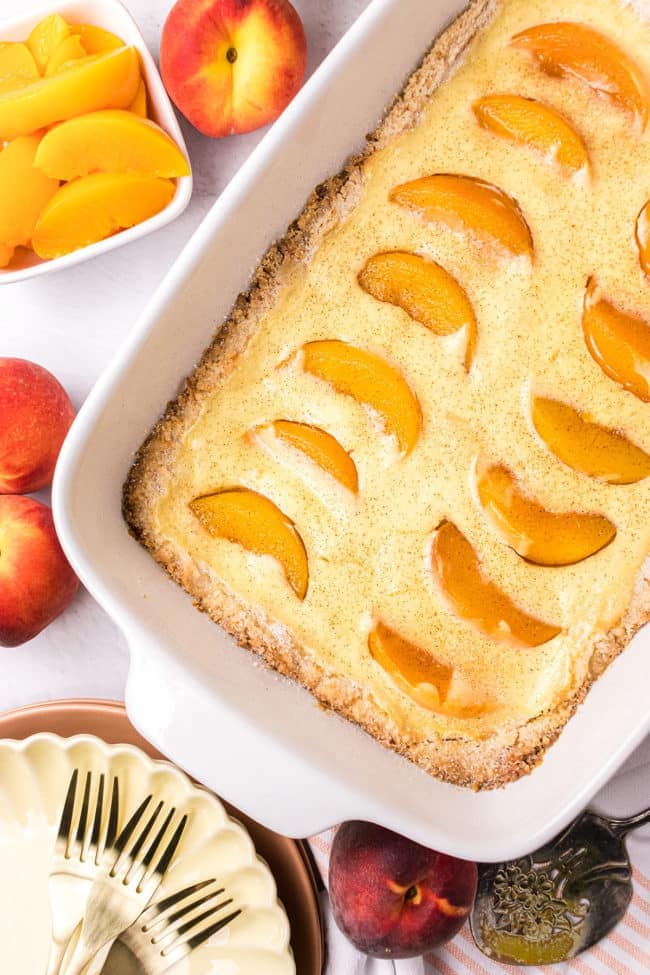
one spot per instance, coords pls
(220, 747)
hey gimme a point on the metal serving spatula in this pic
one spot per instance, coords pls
(549, 906)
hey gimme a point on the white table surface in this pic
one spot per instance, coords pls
(74, 321)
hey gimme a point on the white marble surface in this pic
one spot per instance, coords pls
(74, 321)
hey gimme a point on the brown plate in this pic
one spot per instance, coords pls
(289, 860)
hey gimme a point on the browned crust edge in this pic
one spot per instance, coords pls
(478, 764)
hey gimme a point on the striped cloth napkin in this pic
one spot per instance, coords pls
(626, 951)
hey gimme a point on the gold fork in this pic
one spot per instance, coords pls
(130, 873)
(173, 927)
(83, 835)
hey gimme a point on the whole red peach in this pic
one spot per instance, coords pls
(35, 416)
(394, 898)
(232, 65)
(36, 580)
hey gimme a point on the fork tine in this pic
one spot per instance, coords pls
(99, 811)
(65, 823)
(144, 833)
(151, 852)
(129, 829)
(202, 936)
(83, 815)
(170, 851)
(156, 911)
(169, 921)
(180, 929)
(111, 830)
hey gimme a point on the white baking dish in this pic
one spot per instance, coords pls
(257, 739)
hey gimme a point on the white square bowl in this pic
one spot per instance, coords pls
(112, 16)
(261, 741)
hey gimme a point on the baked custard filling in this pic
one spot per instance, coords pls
(429, 464)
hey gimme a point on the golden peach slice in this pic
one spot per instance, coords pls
(528, 122)
(474, 598)
(24, 191)
(70, 49)
(538, 535)
(427, 681)
(642, 236)
(587, 447)
(98, 81)
(46, 37)
(17, 65)
(424, 290)
(92, 208)
(574, 50)
(618, 341)
(316, 444)
(469, 205)
(6, 254)
(253, 521)
(139, 104)
(95, 39)
(369, 380)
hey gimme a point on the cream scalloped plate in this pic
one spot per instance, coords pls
(34, 776)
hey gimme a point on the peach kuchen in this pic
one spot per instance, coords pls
(411, 470)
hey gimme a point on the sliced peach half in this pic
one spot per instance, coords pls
(618, 341)
(111, 141)
(528, 122)
(95, 39)
(253, 521)
(316, 444)
(98, 81)
(17, 65)
(46, 37)
(424, 290)
(70, 49)
(574, 50)
(469, 205)
(94, 207)
(369, 380)
(536, 534)
(587, 447)
(24, 191)
(473, 597)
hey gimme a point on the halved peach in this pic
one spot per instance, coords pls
(475, 598)
(429, 682)
(97, 81)
(139, 104)
(587, 447)
(424, 290)
(469, 205)
(24, 191)
(112, 141)
(618, 341)
(95, 39)
(17, 65)
(46, 37)
(529, 122)
(94, 207)
(6, 253)
(316, 444)
(253, 521)
(70, 49)
(369, 380)
(574, 50)
(540, 536)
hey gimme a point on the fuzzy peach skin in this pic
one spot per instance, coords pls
(36, 581)
(35, 416)
(394, 898)
(231, 66)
